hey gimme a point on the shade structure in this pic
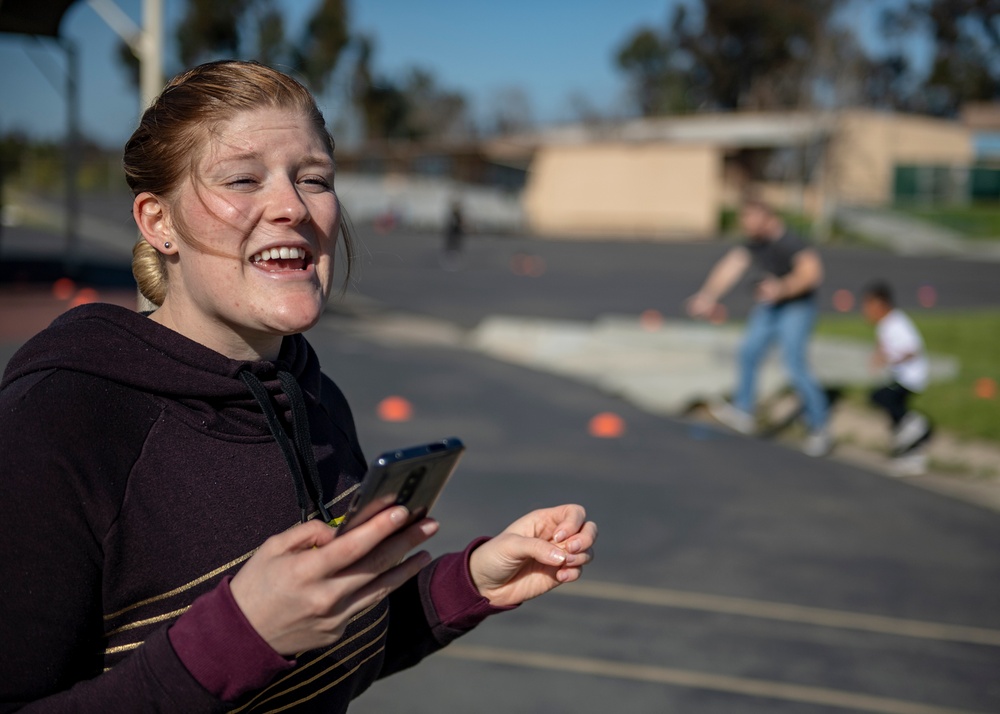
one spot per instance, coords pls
(33, 17)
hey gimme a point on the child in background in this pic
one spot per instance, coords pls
(901, 352)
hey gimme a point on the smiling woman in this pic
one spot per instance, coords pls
(174, 568)
(265, 184)
(260, 180)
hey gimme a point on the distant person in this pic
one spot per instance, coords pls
(900, 350)
(454, 233)
(785, 312)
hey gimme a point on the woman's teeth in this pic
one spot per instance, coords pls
(283, 253)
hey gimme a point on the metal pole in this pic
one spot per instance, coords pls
(151, 55)
(147, 44)
(150, 77)
(72, 155)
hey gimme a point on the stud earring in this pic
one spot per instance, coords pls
(166, 245)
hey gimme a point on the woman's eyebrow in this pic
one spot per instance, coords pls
(318, 160)
(312, 160)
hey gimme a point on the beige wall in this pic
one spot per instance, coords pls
(653, 189)
(867, 146)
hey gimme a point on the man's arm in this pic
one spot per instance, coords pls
(721, 279)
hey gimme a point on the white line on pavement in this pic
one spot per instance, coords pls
(781, 611)
(697, 680)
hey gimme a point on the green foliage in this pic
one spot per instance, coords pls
(315, 54)
(742, 55)
(978, 221)
(256, 29)
(971, 336)
(966, 40)
(645, 58)
(414, 109)
(779, 54)
(210, 28)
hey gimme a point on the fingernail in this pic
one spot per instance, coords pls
(398, 514)
(429, 527)
(557, 555)
(559, 536)
(573, 546)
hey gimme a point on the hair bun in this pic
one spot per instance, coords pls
(149, 272)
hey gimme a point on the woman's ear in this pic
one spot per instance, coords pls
(151, 217)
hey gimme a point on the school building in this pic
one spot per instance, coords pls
(671, 177)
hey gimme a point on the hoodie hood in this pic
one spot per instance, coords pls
(128, 348)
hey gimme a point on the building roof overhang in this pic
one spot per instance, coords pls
(33, 17)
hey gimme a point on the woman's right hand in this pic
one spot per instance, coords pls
(301, 589)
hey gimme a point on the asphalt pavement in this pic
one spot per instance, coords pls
(733, 575)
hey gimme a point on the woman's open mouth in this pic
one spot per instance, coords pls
(281, 259)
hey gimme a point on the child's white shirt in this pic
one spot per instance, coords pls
(898, 337)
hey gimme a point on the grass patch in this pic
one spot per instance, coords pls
(978, 221)
(971, 336)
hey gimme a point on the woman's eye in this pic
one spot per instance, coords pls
(317, 181)
(242, 182)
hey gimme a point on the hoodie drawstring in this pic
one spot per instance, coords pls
(299, 457)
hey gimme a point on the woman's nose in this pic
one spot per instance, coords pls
(286, 205)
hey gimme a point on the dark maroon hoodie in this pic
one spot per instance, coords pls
(138, 473)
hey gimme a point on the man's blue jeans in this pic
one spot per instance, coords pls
(790, 324)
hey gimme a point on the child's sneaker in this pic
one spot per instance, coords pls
(913, 430)
(912, 464)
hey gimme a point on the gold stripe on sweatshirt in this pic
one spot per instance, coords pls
(182, 588)
(256, 700)
(349, 622)
(221, 569)
(332, 684)
(124, 648)
(148, 621)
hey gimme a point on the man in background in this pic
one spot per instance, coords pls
(900, 350)
(785, 312)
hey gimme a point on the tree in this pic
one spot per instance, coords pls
(738, 55)
(510, 111)
(646, 59)
(965, 35)
(256, 29)
(432, 111)
(382, 104)
(415, 109)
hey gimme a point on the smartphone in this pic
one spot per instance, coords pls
(413, 477)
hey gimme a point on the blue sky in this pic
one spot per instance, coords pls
(549, 48)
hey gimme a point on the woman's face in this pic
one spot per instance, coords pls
(263, 218)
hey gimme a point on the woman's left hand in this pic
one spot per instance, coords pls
(535, 554)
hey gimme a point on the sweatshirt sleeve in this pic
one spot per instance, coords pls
(221, 649)
(58, 496)
(433, 609)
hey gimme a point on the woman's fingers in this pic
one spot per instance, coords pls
(370, 552)
(572, 519)
(310, 534)
(383, 585)
(583, 540)
(301, 588)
